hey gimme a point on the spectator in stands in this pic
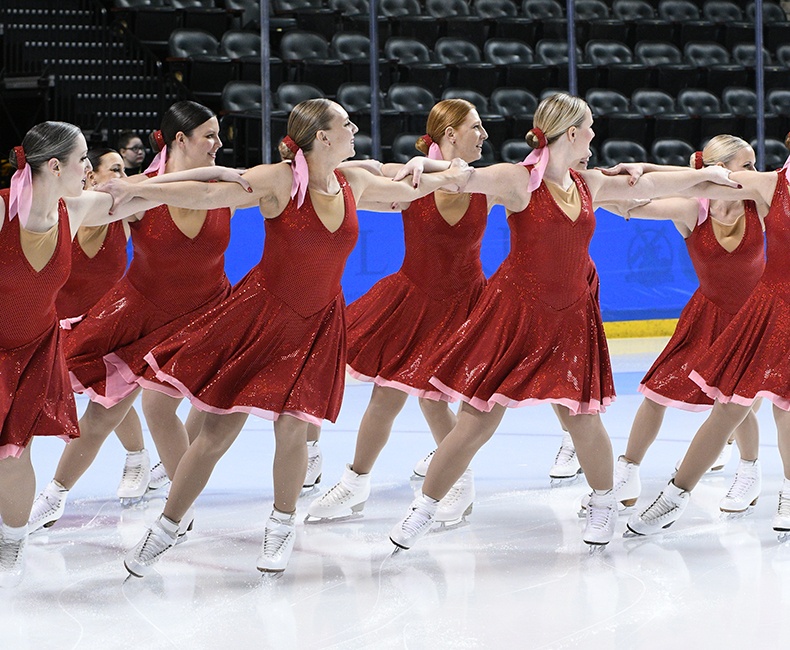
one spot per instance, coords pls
(132, 150)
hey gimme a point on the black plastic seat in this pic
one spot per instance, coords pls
(353, 49)
(457, 20)
(742, 102)
(504, 21)
(704, 107)
(467, 68)
(713, 62)
(517, 106)
(250, 12)
(289, 94)
(154, 25)
(515, 150)
(184, 43)
(778, 101)
(745, 54)
(613, 115)
(414, 63)
(214, 20)
(666, 63)
(641, 22)
(616, 151)
(236, 44)
(403, 147)
(407, 20)
(363, 146)
(729, 19)
(516, 64)
(549, 17)
(593, 18)
(554, 54)
(240, 96)
(355, 98)
(308, 58)
(413, 102)
(651, 102)
(671, 152)
(775, 153)
(616, 66)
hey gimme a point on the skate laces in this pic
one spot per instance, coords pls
(415, 521)
(312, 463)
(659, 509)
(45, 505)
(784, 505)
(153, 545)
(132, 474)
(338, 494)
(599, 515)
(566, 453)
(275, 536)
(11, 553)
(741, 485)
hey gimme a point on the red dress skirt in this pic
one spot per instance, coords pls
(35, 395)
(397, 325)
(172, 280)
(751, 357)
(536, 333)
(726, 279)
(277, 345)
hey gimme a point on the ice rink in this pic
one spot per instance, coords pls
(516, 576)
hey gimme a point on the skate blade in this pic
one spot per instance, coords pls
(309, 491)
(129, 502)
(727, 515)
(310, 519)
(631, 534)
(560, 481)
(450, 525)
(596, 549)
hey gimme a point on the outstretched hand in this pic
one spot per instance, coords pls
(413, 168)
(120, 190)
(634, 170)
(719, 175)
(229, 175)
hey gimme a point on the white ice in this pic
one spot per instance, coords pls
(517, 576)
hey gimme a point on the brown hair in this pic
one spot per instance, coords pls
(45, 141)
(555, 115)
(306, 119)
(448, 112)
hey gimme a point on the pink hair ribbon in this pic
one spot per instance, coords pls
(704, 206)
(434, 152)
(21, 196)
(539, 159)
(158, 163)
(301, 175)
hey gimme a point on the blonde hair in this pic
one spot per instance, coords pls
(448, 112)
(721, 149)
(306, 119)
(555, 115)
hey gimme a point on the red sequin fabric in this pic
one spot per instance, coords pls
(92, 277)
(396, 326)
(172, 280)
(751, 357)
(277, 345)
(726, 279)
(536, 333)
(35, 394)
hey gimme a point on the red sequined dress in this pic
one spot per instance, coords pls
(35, 394)
(726, 281)
(536, 333)
(171, 280)
(92, 277)
(399, 323)
(751, 357)
(277, 345)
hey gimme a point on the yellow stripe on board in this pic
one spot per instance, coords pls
(638, 328)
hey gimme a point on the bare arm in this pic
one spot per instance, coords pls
(605, 189)
(270, 185)
(94, 209)
(213, 173)
(505, 183)
(371, 191)
(682, 213)
(757, 186)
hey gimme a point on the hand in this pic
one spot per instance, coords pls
(719, 175)
(120, 190)
(228, 175)
(634, 170)
(414, 168)
(460, 171)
